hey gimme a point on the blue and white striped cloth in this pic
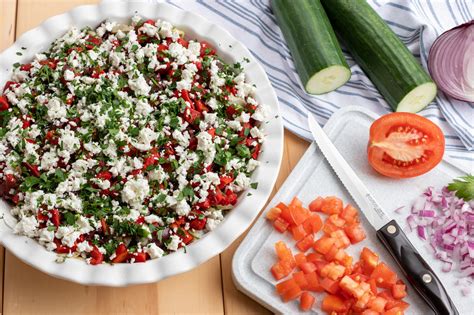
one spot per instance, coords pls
(417, 23)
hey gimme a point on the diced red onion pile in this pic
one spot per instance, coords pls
(447, 223)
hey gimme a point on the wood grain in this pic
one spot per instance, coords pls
(7, 37)
(207, 289)
(236, 302)
(29, 291)
(7, 23)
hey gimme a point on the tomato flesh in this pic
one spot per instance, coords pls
(404, 145)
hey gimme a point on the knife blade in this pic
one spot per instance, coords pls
(415, 268)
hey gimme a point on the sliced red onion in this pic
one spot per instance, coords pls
(411, 222)
(421, 232)
(426, 213)
(451, 62)
(399, 209)
(447, 266)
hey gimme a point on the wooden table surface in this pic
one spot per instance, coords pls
(207, 289)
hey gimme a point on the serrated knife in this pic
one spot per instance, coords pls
(415, 268)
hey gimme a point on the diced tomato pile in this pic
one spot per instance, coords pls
(367, 286)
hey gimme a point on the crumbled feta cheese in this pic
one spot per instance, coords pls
(26, 226)
(153, 250)
(135, 191)
(69, 75)
(182, 208)
(56, 109)
(173, 245)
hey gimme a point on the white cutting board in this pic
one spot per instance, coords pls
(349, 131)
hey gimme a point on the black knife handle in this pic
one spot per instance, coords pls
(415, 268)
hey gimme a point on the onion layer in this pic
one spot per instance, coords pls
(451, 62)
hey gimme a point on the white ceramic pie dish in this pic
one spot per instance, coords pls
(238, 219)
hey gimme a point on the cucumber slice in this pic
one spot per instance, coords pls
(398, 76)
(418, 98)
(328, 79)
(317, 55)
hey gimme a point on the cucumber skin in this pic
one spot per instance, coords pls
(376, 48)
(309, 35)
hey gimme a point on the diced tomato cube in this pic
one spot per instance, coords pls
(104, 226)
(369, 260)
(283, 252)
(377, 304)
(399, 291)
(391, 303)
(349, 285)
(313, 224)
(55, 217)
(182, 42)
(355, 232)
(280, 225)
(286, 285)
(333, 303)
(292, 294)
(306, 301)
(384, 276)
(121, 254)
(300, 279)
(298, 214)
(342, 241)
(331, 205)
(33, 169)
(346, 261)
(313, 282)
(336, 220)
(316, 204)
(295, 202)
(200, 106)
(329, 227)
(96, 256)
(306, 243)
(333, 252)
(373, 286)
(285, 213)
(206, 49)
(349, 214)
(198, 224)
(298, 232)
(329, 285)
(279, 271)
(308, 267)
(104, 175)
(313, 257)
(333, 271)
(363, 300)
(225, 180)
(140, 257)
(300, 258)
(324, 244)
(186, 237)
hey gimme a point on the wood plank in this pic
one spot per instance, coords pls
(7, 23)
(29, 291)
(236, 302)
(7, 37)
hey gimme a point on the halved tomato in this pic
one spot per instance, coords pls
(403, 145)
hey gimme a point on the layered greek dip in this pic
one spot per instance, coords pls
(126, 142)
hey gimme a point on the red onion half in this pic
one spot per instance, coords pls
(451, 62)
